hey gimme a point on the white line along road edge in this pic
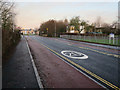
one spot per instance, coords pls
(35, 69)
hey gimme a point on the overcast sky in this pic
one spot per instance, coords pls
(32, 14)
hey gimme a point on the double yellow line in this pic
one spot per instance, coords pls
(85, 70)
(114, 55)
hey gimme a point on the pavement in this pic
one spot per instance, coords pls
(101, 65)
(105, 46)
(18, 72)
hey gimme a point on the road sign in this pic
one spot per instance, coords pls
(74, 54)
(111, 36)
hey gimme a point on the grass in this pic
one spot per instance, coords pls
(102, 41)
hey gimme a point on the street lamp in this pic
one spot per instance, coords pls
(47, 31)
(55, 28)
(0, 20)
(67, 28)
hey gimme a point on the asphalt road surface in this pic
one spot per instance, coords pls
(101, 65)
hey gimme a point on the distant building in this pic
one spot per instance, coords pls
(28, 31)
(99, 29)
(37, 32)
(71, 29)
(82, 29)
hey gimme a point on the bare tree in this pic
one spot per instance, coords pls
(7, 23)
(105, 25)
(7, 15)
(98, 21)
(66, 22)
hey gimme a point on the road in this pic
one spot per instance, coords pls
(101, 65)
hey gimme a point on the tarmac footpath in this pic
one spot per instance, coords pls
(18, 71)
(55, 73)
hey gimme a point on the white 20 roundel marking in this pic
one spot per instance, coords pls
(74, 54)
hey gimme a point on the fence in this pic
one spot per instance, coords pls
(104, 39)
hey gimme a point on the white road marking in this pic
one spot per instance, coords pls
(35, 69)
(74, 54)
(81, 71)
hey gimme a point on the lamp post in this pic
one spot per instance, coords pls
(55, 28)
(47, 31)
(67, 28)
(0, 20)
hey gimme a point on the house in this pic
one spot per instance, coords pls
(71, 29)
(99, 29)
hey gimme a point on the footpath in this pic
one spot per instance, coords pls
(18, 71)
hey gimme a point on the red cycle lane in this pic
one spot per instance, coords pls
(54, 72)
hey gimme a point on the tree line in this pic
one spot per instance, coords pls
(55, 28)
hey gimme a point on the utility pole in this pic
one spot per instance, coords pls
(0, 20)
(67, 28)
(55, 28)
(47, 31)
